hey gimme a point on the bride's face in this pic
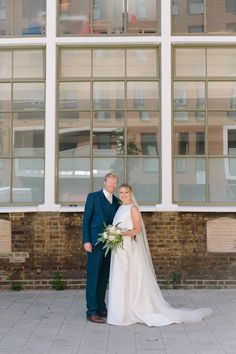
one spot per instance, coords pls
(125, 195)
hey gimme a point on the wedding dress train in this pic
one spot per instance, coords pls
(134, 295)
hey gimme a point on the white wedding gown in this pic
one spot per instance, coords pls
(134, 295)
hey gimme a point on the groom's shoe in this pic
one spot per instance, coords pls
(95, 319)
(102, 314)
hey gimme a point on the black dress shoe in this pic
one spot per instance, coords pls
(95, 319)
(102, 314)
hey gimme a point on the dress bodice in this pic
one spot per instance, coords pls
(123, 217)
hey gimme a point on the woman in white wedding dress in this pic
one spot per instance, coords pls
(134, 295)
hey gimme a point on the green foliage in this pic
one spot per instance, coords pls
(16, 286)
(57, 283)
(175, 279)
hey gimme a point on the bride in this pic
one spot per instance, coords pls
(134, 295)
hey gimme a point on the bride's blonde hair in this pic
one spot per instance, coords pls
(126, 186)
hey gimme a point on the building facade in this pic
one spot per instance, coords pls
(146, 89)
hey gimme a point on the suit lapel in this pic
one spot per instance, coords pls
(103, 202)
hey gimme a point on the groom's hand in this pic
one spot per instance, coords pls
(88, 247)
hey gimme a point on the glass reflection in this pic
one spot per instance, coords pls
(74, 180)
(74, 95)
(142, 95)
(142, 16)
(6, 10)
(108, 95)
(28, 96)
(142, 62)
(142, 134)
(189, 95)
(222, 180)
(190, 62)
(28, 134)
(5, 134)
(28, 63)
(28, 181)
(74, 17)
(29, 17)
(5, 64)
(102, 166)
(108, 16)
(74, 134)
(5, 181)
(143, 176)
(189, 133)
(75, 63)
(221, 95)
(108, 63)
(5, 97)
(108, 141)
(189, 180)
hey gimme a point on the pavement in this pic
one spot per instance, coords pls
(54, 322)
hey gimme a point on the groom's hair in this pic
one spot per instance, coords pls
(111, 175)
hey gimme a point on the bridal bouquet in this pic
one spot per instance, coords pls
(111, 237)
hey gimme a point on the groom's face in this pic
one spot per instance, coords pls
(110, 184)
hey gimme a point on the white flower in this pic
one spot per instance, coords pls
(105, 235)
(111, 238)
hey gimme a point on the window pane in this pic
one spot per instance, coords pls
(28, 96)
(28, 134)
(189, 133)
(108, 141)
(5, 97)
(108, 95)
(218, 123)
(74, 134)
(143, 176)
(74, 179)
(143, 133)
(221, 95)
(188, 16)
(102, 166)
(108, 63)
(189, 95)
(108, 16)
(28, 64)
(190, 62)
(142, 62)
(221, 62)
(189, 180)
(74, 17)
(5, 184)
(28, 181)
(5, 134)
(6, 18)
(222, 180)
(5, 64)
(142, 16)
(142, 95)
(29, 17)
(74, 95)
(219, 14)
(75, 63)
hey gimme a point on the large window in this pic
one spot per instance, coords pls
(84, 17)
(20, 18)
(203, 16)
(108, 119)
(22, 105)
(204, 124)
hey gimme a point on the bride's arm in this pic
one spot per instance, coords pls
(136, 219)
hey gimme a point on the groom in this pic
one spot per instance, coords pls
(100, 209)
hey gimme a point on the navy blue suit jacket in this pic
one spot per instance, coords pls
(97, 213)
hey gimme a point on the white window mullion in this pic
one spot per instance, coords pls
(50, 137)
(166, 105)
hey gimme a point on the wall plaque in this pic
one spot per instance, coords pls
(221, 235)
(5, 236)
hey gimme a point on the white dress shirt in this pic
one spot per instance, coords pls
(107, 195)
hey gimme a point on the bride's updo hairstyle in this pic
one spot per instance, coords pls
(126, 186)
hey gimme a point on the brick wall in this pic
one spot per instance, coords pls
(53, 241)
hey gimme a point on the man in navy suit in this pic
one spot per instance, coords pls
(100, 209)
